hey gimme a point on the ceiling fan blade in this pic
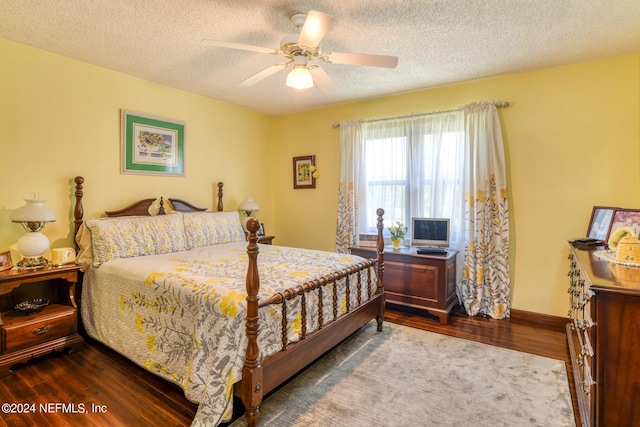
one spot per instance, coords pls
(262, 74)
(362, 59)
(237, 46)
(315, 28)
(322, 79)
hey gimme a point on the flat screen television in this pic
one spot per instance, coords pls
(431, 232)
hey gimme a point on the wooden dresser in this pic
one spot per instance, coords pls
(422, 281)
(604, 339)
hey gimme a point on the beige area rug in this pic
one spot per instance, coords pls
(408, 377)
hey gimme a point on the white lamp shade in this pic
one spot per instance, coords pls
(248, 205)
(300, 78)
(34, 211)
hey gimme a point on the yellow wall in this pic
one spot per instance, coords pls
(572, 137)
(61, 118)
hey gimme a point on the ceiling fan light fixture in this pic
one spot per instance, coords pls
(302, 50)
(300, 78)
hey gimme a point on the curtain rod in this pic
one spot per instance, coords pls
(502, 104)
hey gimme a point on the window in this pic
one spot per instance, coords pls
(413, 167)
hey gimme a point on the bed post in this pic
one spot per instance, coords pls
(220, 207)
(252, 371)
(380, 254)
(78, 211)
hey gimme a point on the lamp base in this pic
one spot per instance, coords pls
(33, 262)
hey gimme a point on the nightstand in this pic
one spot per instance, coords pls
(54, 328)
(267, 240)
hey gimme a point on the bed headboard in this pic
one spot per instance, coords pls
(139, 208)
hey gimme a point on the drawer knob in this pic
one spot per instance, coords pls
(41, 330)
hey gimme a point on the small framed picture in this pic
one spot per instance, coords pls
(626, 218)
(303, 169)
(260, 232)
(5, 261)
(600, 222)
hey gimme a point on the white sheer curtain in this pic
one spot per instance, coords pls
(414, 168)
(442, 165)
(409, 167)
(485, 288)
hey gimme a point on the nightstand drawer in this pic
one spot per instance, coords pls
(20, 331)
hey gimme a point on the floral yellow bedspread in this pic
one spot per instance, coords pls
(181, 315)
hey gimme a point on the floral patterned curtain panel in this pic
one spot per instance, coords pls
(485, 288)
(351, 158)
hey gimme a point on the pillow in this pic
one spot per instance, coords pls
(212, 228)
(83, 240)
(124, 237)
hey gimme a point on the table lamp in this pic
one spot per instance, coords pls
(248, 207)
(33, 244)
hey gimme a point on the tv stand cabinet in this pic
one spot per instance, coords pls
(426, 282)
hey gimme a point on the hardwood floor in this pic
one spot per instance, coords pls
(98, 387)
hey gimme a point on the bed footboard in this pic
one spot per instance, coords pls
(260, 377)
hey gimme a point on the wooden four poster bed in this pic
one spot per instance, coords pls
(157, 284)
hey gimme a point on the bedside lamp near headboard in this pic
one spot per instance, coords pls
(248, 207)
(33, 244)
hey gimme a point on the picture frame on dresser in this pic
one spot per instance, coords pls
(261, 232)
(625, 218)
(5, 261)
(600, 222)
(152, 145)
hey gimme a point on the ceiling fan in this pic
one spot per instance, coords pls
(301, 51)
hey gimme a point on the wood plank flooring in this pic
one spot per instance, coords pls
(98, 387)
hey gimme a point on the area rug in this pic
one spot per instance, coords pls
(408, 377)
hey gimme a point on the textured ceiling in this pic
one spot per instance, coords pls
(438, 42)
